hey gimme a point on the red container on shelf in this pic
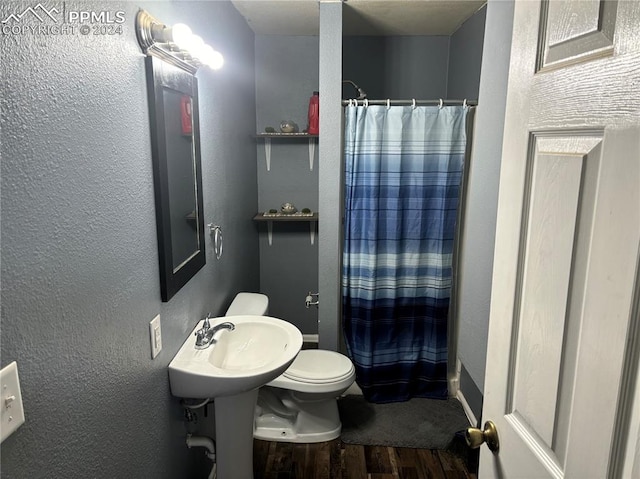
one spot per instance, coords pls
(314, 114)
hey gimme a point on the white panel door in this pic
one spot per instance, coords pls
(567, 241)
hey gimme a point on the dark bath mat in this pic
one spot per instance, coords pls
(418, 423)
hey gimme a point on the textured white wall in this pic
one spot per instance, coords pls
(79, 252)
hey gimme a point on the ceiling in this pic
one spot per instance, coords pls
(360, 17)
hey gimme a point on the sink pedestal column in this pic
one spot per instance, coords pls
(234, 435)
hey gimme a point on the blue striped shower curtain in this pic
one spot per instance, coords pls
(403, 176)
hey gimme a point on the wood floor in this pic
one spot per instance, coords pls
(335, 460)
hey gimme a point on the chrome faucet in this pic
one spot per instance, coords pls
(205, 335)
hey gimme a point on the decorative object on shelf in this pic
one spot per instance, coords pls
(298, 217)
(288, 126)
(314, 114)
(288, 208)
(267, 135)
(278, 214)
(306, 211)
(270, 129)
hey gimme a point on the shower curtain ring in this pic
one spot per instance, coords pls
(366, 103)
(388, 103)
(464, 103)
(413, 104)
(441, 103)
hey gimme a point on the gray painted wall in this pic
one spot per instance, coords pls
(416, 67)
(396, 67)
(465, 58)
(79, 252)
(476, 256)
(330, 179)
(363, 62)
(286, 76)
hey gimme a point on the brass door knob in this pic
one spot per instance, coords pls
(475, 437)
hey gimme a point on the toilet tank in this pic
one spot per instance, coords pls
(248, 303)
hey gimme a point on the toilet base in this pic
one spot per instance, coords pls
(286, 416)
(287, 434)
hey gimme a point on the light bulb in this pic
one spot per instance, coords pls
(195, 46)
(205, 54)
(214, 60)
(181, 35)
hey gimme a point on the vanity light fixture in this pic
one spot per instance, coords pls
(176, 44)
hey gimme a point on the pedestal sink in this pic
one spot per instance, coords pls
(230, 371)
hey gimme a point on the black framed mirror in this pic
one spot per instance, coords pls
(177, 173)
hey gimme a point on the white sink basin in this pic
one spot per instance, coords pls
(259, 349)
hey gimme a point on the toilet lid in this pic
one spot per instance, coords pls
(317, 365)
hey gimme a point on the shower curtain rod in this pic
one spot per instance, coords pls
(411, 102)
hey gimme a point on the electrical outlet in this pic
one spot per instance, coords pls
(156, 336)
(11, 408)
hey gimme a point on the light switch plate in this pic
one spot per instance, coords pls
(11, 409)
(155, 335)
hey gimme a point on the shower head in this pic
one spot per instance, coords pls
(361, 93)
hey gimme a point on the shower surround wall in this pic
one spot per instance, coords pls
(397, 67)
(80, 279)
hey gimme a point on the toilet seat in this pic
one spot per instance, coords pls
(317, 371)
(317, 366)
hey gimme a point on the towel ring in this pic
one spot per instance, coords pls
(216, 231)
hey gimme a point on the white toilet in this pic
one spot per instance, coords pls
(300, 405)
